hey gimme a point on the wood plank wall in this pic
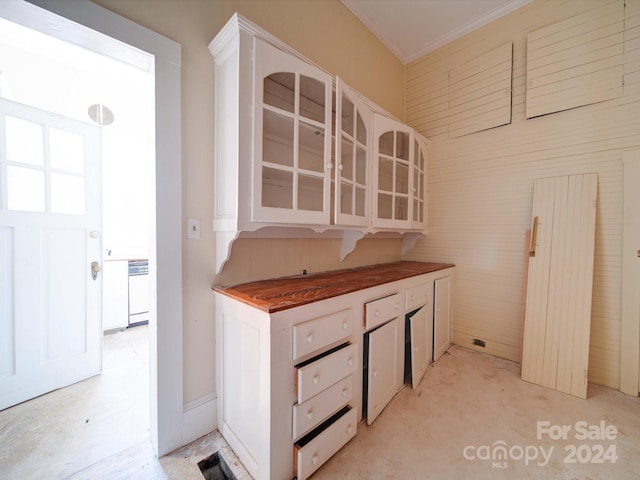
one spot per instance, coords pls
(480, 186)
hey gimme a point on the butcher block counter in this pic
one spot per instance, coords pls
(278, 294)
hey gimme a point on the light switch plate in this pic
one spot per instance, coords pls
(193, 228)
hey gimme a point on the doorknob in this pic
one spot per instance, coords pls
(95, 268)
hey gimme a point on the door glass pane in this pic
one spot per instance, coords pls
(347, 116)
(279, 91)
(361, 165)
(66, 150)
(385, 203)
(386, 144)
(25, 189)
(385, 174)
(402, 178)
(310, 195)
(67, 194)
(347, 159)
(277, 188)
(24, 142)
(422, 165)
(346, 199)
(402, 145)
(277, 146)
(312, 103)
(361, 131)
(360, 201)
(402, 208)
(311, 148)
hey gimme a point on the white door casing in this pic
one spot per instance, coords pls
(630, 322)
(50, 222)
(89, 25)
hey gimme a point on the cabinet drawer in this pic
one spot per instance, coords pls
(315, 376)
(309, 457)
(311, 413)
(313, 335)
(418, 296)
(379, 311)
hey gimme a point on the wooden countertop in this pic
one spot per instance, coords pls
(278, 294)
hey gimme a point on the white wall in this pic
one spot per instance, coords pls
(481, 185)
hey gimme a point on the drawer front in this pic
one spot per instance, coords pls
(314, 411)
(309, 458)
(379, 311)
(316, 334)
(418, 296)
(314, 377)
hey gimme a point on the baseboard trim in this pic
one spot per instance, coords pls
(200, 416)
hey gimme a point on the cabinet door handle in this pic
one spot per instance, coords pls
(344, 325)
(350, 361)
(344, 392)
(349, 429)
(314, 459)
(310, 338)
(309, 414)
(341, 167)
(316, 379)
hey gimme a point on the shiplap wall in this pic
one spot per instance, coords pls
(481, 185)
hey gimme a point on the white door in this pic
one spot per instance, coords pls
(385, 367)
(421, 343)
(555, 347)
(50, 305)
(441, 317)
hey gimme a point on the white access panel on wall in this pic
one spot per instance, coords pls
(559, 286)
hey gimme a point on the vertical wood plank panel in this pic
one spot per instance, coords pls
(558, 316)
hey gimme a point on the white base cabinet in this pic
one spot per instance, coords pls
(290, 383)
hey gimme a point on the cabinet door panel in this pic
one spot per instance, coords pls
(292, 144)
(393, 173)
(421, 343)
(441, 317)
(354, 124)
(383, 374)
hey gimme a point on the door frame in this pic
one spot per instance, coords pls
(77, 21)
(630, 321)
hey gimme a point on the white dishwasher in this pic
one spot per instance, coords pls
(138, 292)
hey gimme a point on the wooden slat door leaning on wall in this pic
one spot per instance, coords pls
(559, 287)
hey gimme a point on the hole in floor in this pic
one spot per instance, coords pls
(215, 468)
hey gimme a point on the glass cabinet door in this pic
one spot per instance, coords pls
(292, 139)
(418, 189)
(393, 158)
(352, 152)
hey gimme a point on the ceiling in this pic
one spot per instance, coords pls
(412, 28)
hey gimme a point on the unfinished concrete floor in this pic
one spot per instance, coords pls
(468, 403)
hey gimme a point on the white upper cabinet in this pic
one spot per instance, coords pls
(353, 133)
(296, 155)
(292, 149)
